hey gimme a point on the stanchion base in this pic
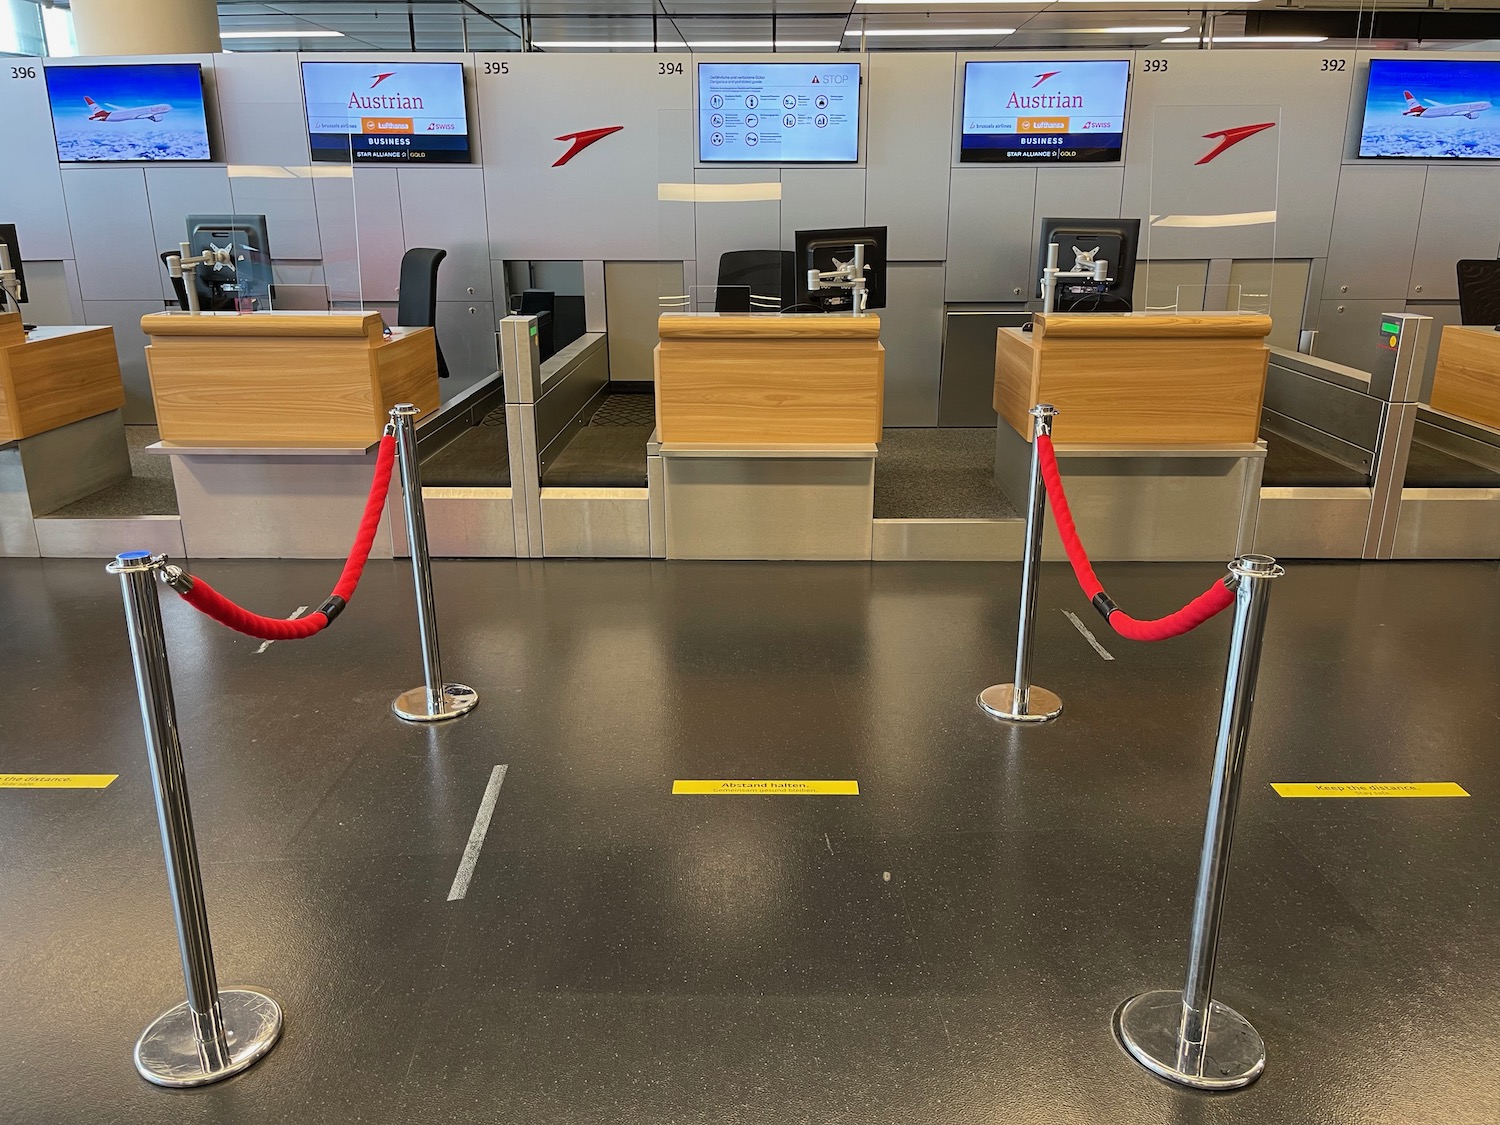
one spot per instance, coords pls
(167, 1051)
(1042, 706)
(454, 700)
(1233, 1053)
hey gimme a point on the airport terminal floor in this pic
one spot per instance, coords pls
(947, 947)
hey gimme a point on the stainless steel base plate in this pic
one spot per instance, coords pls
(1232, 1055)
(1000, 701)
(167, 1052)
(454, 700)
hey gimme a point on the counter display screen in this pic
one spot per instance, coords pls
(1432, 109)
(1069, 112)
(778, 113)
(359, 112)
(108, 112)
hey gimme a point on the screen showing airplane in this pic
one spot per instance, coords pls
(365, 111)
(778, 113)
(128, 111)
(1432, 109)
(1068, 112)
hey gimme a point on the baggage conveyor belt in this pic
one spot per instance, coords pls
(609, 452)
(478, 458)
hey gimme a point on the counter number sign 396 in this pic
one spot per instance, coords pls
(23, 72)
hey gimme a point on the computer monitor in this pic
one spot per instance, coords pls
(13, 251)
(1114, 240)
(248, 276)
(820, 249)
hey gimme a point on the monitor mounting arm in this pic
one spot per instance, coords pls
(848, 275)
(10, 284)
(185, 266)
(1086, 267)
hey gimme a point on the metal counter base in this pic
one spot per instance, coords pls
(1131, 503)
(283, 503)
(768, 502)
(1312, 523)
(52, 469)
(462, 523)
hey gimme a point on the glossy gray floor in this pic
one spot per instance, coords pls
(946, 948)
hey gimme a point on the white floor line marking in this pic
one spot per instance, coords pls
(829, 842)
(298, 612)
(1084, 629)
(476, 835)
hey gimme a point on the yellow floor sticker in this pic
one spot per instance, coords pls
(56, 780)
(774, 788)
(1370, 789)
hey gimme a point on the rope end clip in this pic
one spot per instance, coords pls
(177, 578)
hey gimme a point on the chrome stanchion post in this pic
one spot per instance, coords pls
(1021, 701)
(1189, 1037)
(214, 1033)
(434, 700)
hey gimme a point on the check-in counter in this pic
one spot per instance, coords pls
(272, 419)
(62, 436)
(1157, 434)
(1450, 499)
(768, 428)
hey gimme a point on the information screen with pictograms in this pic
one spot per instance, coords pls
(778, 113)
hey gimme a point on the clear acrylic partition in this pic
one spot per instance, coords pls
(295, 234)
(1209, 239)
(705, 210)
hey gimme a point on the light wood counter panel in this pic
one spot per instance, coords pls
(1137, 379)
(59, 376)
(770, 380)
(1466, 382)
(284, 379)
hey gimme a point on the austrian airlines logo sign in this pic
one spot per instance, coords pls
(1228, 138)
(379, 78)
(581, 140)
(1040, 78)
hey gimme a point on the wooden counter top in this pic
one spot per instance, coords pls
(293, 378)
(1137, 379)
(1466, 381)
(768, 326)
(59, 376)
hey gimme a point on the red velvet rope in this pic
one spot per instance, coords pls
(1213, 600)
(204, 598)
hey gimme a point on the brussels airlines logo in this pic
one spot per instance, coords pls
(1040, 78)
(581, 140)
(1228, 138)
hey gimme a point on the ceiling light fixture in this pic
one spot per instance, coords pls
(724, 44)
(1252, 39)
(939, 32)
(1120, 30)
(311, 33)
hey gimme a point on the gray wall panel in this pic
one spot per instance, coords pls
(1349, 331)
(111, 222)
(632, 290)
(1460, 219)
(906, 156)
(911, 327)
(262, 121)
(377, 217)
(130, 343)
(990, 231)
(32, 196)
(49, 294)
(603, 203)
(333, 201)
(1374, 230)
(818, 198)
(444, 208)
(468, 339)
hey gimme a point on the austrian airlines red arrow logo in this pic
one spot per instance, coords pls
(581, 140)
(379, 78)
(1040, 78)
(1228, 138)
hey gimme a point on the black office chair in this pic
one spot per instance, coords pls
(179, 285)
(769, 276)
(1479, 291)
(418, 295)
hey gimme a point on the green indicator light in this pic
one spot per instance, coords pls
(533, 329)
(1389, 327)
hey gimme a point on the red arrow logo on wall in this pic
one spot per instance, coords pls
(1228, 138)
(581, 140)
